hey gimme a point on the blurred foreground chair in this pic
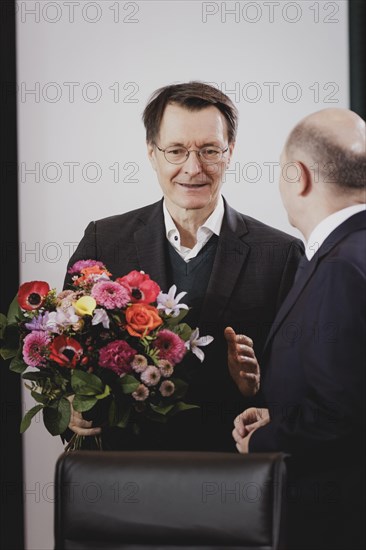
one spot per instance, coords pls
(169, 500)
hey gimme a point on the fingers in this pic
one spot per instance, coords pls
(85, 431)
(239, 425)
(239, 345)
(233, 338)
(80, 426)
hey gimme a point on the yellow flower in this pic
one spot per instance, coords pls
(85, 305)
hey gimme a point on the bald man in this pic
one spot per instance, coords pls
(313, 383)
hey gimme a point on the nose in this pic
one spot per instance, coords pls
(193, 164)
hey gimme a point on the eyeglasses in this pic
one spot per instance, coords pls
(177, 154)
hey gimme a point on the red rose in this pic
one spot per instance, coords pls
(32, 295)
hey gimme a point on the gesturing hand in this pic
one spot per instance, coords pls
(242, 362)
(246, 423)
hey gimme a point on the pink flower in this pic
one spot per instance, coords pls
(111, 295)
(117, 356)
(141, 393)
(81, 264)
(167, 388)
(142, 288)
(139, 363)
(170, 346)
(151, 376)
(166, 368)
(35, 348)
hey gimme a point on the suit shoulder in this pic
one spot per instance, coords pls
(120, 220)
(262, 230)
(350, 252)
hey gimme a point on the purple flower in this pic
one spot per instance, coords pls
(61, 319)
(111, 295)
(81, 264)
(117, 356)
(151, 376)
(35, 348)
(38, 323)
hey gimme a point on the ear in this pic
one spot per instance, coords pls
(151, 152)
(230, 152)
(305, 182)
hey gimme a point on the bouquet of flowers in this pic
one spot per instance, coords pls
(113, 342)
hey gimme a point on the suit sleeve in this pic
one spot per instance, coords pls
(86, 250)
(330, 415)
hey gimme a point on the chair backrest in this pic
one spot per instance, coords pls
(169, 500)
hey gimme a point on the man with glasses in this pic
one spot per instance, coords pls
(236, 270)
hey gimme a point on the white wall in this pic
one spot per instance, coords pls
(279, 61)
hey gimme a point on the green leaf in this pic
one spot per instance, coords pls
(3, 323)
(82, 403)
(123, 421)
(106, 392)
(17, 365)
(173, 321)
(156, 417)
(36, 376)
(14, 312)
(162, 409)
(183, 330)
(40, 397)
(118, 416)
(129, 384)
(8, 353)
(56, 417)
(180, 406)
(86, 383)
(25, 423)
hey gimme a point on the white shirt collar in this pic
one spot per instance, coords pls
(212, 226)
(326, 226)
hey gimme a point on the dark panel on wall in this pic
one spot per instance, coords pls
(11, 478)
(357, 40)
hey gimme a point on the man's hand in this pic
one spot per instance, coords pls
(242, 362)
(246, 423)
(77, 423)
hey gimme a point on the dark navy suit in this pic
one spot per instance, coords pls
(314, 386)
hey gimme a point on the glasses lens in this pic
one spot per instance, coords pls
(176, 155)
(210, 154)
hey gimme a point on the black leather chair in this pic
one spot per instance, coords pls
(169, 500)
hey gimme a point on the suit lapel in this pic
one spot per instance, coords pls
(229, 259)
(355, 223)
(150, 242)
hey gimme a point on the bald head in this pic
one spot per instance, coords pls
(336, 140)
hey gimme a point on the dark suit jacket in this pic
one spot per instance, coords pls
(314, 385)
(252, 273)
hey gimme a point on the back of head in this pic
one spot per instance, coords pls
(193, 96)
(333, 141)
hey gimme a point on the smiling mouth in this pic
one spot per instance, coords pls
(191, 185)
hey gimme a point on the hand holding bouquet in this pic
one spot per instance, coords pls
(119, 343)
